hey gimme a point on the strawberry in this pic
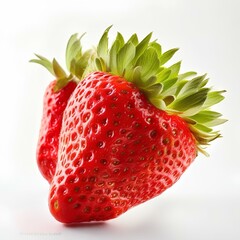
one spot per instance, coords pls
(53, 106)
(54, 103)
(130, 129)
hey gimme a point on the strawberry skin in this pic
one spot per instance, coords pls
(54, 104)
(116, 151)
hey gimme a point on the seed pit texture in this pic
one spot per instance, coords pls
(80, 109)
(116, 123)
(62, 190)
(92, 179)
(74, 136)
(101, 184)
(76, 146)
(174, 132)
(86, 117)
(153, 134)
(116, 171)
(60, 179)
(88, 93)
(101, 144)
(90, 104)
(116, 162)
(91, 198)
(88, 188)
(149, 120)
(100, 110)
(73, 155)
(165, 125)
(80, 129)
(68, 171)
(110, 133)
(76, 205)
(123, 131)
(83, 143)
(104, 121)
(107, 209)
(124, 91)
(77, 163)
(105, 175)
(56, 205)
(119, 141)
(129, 105)
(165, 160)
(129, 136)
(89, 157)
(166, 141)
(82, 170)
(103, 161)
(109, 92)
(72, 179)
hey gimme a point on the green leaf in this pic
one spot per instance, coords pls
(180, 85)
(136, 75)
(215, 122)
(61, 83)
(113, 56)
(133, 39)
(120, 39)
(142, 46)
(167, 55)
(151, 81)
(99, 64)
(59, 72)
(163, 75)
(186, 75)
(157, 47)
(191, 86)
(82, 63)
(124, 57)
(149, 63)
(190, 104)
(154, 90)
(206, 116)
(102, 48)
(213, 98)
(168, 86)
(169, 99)
(204, 82)
(73, 50)
(159, 103)
(175, 68)
(44, 62)
(203, 133)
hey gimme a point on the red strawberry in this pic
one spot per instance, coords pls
(130, 129)
(53, 106)
(116, 150)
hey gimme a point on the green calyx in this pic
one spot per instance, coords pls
(76, 61)
(185, 94)
(144, 64)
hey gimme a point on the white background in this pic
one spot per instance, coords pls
(204, 203)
